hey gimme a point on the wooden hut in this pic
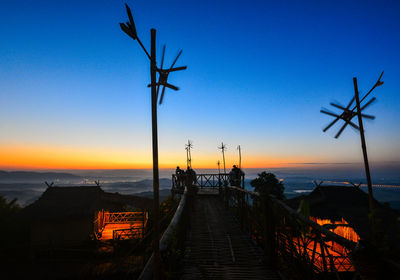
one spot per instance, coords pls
(344, 204)
(68, 214)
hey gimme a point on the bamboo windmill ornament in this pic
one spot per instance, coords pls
(240, 157)
(130, 29)
(188, 148)
(347, 115)
(223, 149)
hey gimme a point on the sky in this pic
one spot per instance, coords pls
(73, 86)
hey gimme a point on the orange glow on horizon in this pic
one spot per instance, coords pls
(17, 157)
(24, 157)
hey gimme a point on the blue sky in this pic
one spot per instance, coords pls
(73, 85)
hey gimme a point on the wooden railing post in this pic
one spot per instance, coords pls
(221, 191)
(242, 201)
(282, 236)
(226, 192)
(269, 230)
(143, 224)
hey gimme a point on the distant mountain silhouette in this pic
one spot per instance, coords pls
(30, 176)
(162, 194)
(144, 185)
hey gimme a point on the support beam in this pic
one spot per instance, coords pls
(156, 240)
(364, 150)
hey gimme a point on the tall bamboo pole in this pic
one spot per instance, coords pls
(364, 150)
(187, 158)
(223, 158)
(240, 157)
(190, 158)
(156, 185)
(130, 29)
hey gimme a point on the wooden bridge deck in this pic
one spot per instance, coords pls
(216, 248)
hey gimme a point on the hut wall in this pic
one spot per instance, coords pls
(61, 231)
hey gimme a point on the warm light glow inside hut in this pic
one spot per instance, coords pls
(342, 228)
(120, 225)
(336, 252)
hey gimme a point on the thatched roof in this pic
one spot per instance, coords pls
(80, 202)
(336, 202)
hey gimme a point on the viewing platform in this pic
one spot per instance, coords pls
(228, 232)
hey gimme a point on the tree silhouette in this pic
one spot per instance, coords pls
(267, 183)
(14, 229)
(8, 207)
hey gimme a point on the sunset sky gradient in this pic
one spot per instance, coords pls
(73, 87)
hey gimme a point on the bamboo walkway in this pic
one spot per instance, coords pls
(216, 248)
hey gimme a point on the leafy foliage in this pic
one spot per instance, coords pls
(13, 232)
(8, 207)
(8, 213)
(267, 183)
(169, 204)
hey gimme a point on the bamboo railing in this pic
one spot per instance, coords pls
(291, 241)
(178, 219)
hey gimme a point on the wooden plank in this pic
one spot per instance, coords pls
(218, 249)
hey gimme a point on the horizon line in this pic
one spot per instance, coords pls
(274, 166)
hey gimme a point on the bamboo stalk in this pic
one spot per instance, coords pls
(156, 241)
(365, 155)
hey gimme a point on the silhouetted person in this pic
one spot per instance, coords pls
(190, 177)
(180, 177)
(235, 176)
(194, 176)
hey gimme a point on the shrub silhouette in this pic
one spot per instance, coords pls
(267, 183)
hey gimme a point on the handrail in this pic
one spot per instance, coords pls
(131, 232)
(288, 236)
(207, 180)
(147, 272)
(331, 235)
(129, 213)
(120, 217)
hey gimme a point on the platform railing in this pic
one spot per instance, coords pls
(124, 217)
(211, 180)
(291, 241)
(129, 233)
(207, 180)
